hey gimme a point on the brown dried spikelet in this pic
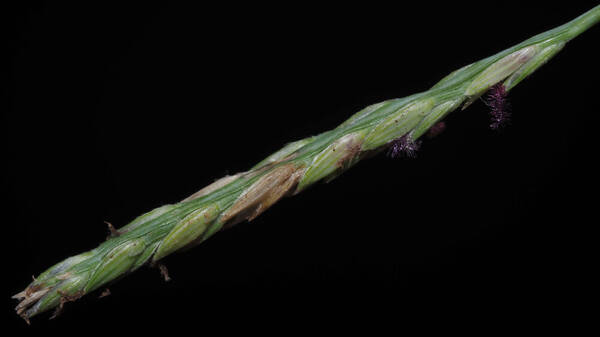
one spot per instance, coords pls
(27, 298)
(212, 187)
(263, 193)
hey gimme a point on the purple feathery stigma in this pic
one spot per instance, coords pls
(499, 106)
(403, 147)
(436, 129)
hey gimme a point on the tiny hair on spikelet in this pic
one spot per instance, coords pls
(499, 106)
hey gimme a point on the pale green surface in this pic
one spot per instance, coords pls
(171, 227)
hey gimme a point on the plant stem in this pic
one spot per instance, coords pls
(393, 123)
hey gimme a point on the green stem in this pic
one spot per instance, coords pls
(295, 167)
(582, 22)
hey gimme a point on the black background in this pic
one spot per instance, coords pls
(113, 110)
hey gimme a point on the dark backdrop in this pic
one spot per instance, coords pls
(113, 110)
